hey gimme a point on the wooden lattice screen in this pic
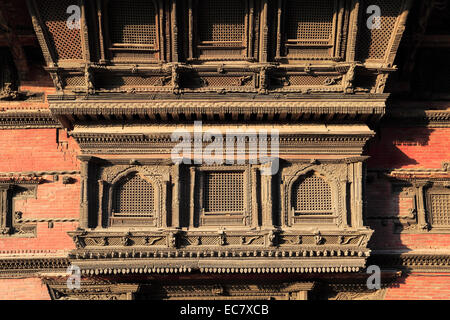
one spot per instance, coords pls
(221, 22)
(374, 42)
(133, 30)
(134, 197)
(312, 195)
(66, 41)
(440, 209)
(309, 28)
(223, 192)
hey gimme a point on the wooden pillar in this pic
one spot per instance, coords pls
(255, 209)
(192, 196)
(357, 194)
(420, 199)
(101, 192)
(176, 196)
(5, 224)
(266, 196)
(86, 173)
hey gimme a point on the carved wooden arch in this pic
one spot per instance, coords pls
(159, 194)
(336, 197)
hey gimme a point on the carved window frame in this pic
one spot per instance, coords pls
(11, 223)
(283, 44)
(45, 39)
(200, 218)
(109, 48)
(158, 182)
(196, 47)
(297, 213)
(338, 186)
(435, 189)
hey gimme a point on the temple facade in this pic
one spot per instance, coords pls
(239, 149)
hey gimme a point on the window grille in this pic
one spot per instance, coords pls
(66, 42)
(221, 23)
(223, 192)
(133, 23)
(440, 209)
(310, 21)
(134, 197)
(374, 42)
(312, 196)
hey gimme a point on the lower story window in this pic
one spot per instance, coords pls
(222, 196)
(134, 198)
(223, 192)
(312, 196)
(439, 207)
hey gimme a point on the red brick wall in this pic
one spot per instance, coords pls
(40, 150)
(421, 287)
(23, 289)
(43, 150)
(409, 148)
(401, 148)
(37, 150)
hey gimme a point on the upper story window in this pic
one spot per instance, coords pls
(311, 196)
(133, 29)
(309, 29)
(375, 43)
(65, 43)
(221, 23)
(439, 207)
(221, 29)
(309, 22)
(133, 198)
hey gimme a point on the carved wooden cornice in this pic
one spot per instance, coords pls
(104, 289)
(90, 290)
(430, 261)
(339, 139)
(18, 267)
(112, 252)
(15, 179)
(438, 118)
(312, 105)
(422, 175)
(27, 119)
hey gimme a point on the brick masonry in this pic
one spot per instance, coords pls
(23, 289)
(420, 287)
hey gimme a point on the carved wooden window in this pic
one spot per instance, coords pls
(133, 200)
(438, 199)
(133, 30)
(223, 192)
(65, 43)
(222, 196)
(11, 222)
(373, 44)
(220, 29)
(311, 196)
(309, 29)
